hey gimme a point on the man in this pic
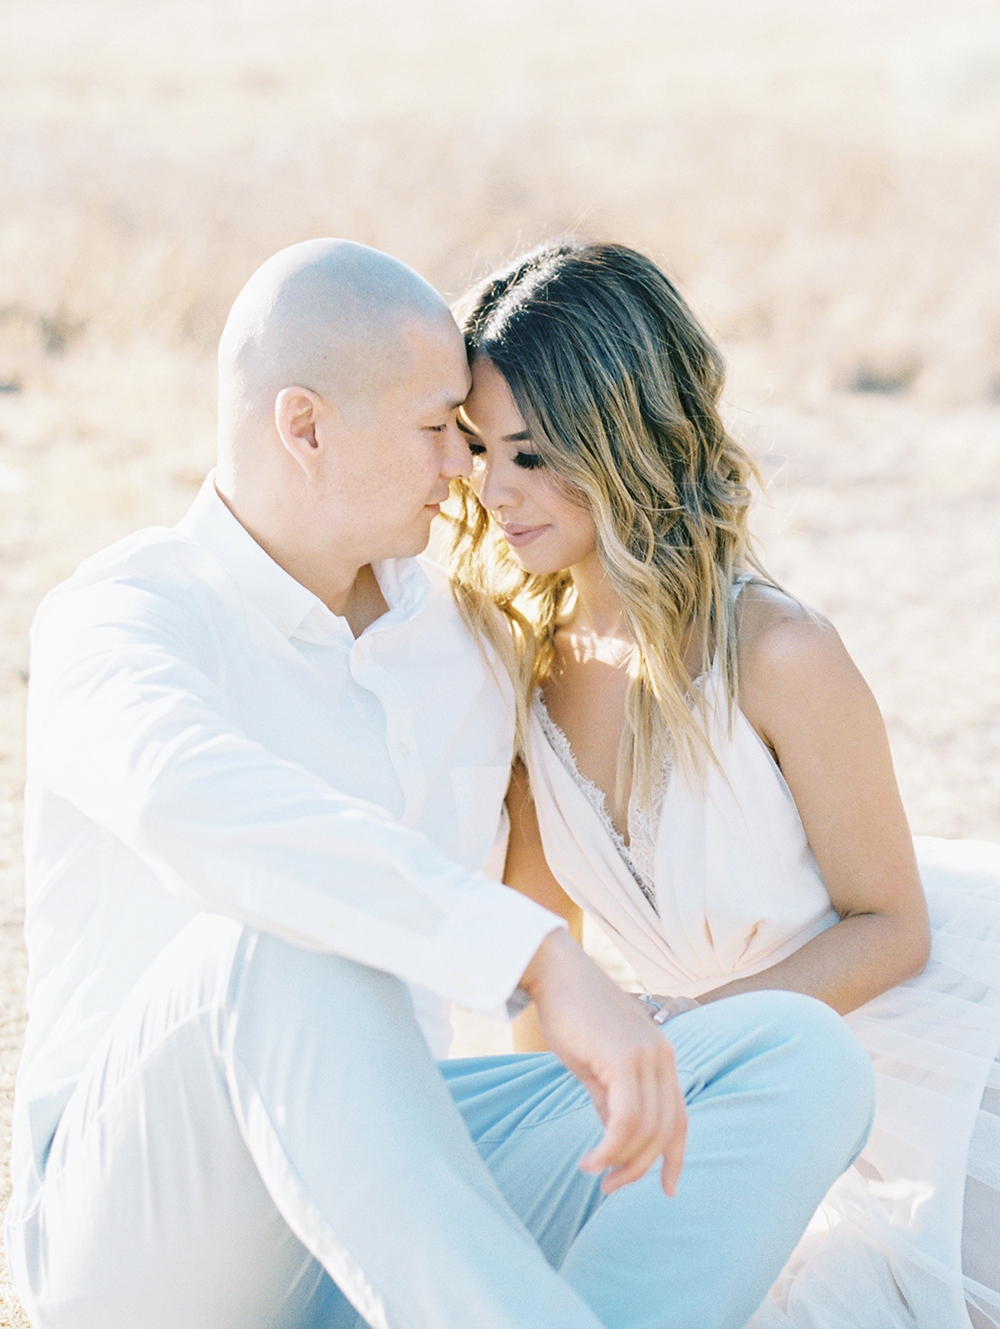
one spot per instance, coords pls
(266, 768)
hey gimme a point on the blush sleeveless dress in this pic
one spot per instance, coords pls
(719, 882)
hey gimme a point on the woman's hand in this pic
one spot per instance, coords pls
(663, 1008)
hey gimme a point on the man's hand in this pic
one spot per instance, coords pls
(610, 1044)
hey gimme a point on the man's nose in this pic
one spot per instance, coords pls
(457, 460)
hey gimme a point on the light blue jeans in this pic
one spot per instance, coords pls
(263, 1124)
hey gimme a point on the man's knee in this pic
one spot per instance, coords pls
(816, 1036)
(834, 1083)
(794, 1050)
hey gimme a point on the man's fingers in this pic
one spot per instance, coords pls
(625, 1138)
(606, 1040)
(673, 1155)
(646, 1118)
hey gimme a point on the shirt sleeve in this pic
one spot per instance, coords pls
(128, 723)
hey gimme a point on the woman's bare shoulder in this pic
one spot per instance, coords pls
(785, 647)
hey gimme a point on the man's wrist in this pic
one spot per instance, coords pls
(545, 957)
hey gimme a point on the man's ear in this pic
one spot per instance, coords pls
(297, 412)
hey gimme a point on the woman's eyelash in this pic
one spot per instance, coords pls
(525, 461)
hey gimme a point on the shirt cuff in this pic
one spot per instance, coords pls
(486, 944)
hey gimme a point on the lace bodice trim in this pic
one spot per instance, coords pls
(639, 855)
(643, 819)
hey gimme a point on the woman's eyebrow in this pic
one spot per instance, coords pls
(466, 426)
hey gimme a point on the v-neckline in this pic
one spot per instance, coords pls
(594, 795)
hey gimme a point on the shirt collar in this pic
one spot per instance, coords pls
(285, 601)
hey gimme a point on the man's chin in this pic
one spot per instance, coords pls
(411, 545)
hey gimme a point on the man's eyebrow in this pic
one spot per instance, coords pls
(447, 405)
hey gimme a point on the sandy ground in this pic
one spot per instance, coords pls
(823, 180)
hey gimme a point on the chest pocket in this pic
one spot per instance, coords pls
(479, 793)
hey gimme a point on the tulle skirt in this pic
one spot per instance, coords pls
(909, 1238)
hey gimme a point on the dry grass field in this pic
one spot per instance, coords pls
(822, 177)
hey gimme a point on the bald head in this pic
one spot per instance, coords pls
(341, 374)
(327, 315)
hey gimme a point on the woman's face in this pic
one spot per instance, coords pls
(546, 528)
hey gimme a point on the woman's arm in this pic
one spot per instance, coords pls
(806, 699)
(527, 871)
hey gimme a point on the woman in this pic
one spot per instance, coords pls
(708, 774)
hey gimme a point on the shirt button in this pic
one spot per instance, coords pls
(403, 749)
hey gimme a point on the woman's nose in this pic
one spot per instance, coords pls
(493, 488)
(495, 483)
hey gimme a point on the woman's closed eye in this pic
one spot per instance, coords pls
(528, 461)
(524, 461)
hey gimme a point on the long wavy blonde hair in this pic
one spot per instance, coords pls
(619, 386)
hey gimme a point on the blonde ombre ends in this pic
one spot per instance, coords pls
(619, 386)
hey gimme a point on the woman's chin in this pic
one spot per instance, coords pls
(534, 567)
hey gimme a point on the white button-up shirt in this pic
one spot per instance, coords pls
(204, 734)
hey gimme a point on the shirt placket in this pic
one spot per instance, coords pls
(401, 743)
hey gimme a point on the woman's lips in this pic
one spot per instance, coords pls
(516, 536)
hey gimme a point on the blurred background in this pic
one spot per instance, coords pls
(822, 178)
